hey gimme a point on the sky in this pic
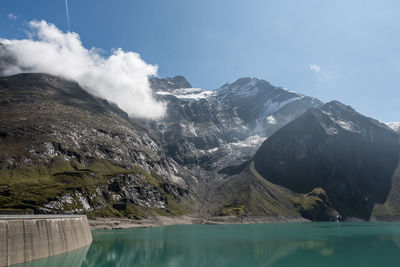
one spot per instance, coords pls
(332, 50)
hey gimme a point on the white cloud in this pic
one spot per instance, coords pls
(121, 78)
(314, 67)
(11, 16)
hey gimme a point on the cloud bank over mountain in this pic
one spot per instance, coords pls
(121, 78)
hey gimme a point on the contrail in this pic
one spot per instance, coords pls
(66, 8)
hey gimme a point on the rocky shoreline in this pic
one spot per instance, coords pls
(125, 223)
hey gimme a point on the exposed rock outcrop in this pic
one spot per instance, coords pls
(61, 148)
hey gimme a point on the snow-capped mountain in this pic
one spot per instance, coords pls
(202, 126)
(262, 107)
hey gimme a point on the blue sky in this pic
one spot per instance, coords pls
(343, 50)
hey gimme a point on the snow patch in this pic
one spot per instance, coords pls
(251, 141)
(395, 126)
(348, 126)
(345, 125)
(189, 94)
(211, 150)
(290, 91)
(272, 106)
(271, 119)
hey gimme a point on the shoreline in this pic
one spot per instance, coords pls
(125, 223)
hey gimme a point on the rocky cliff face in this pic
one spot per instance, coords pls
(216, 133)
(63, 150)
(261, 107)
(224, 127)
(352, 157)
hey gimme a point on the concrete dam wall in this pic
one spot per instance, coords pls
(30, 237)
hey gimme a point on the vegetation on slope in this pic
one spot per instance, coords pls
(250, 194)
(33, 187)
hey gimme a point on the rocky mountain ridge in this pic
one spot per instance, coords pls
(200, 125)
(66, 151)
(352, 157)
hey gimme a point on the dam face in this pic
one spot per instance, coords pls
(30, 237)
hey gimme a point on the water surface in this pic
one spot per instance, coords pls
(282, 244)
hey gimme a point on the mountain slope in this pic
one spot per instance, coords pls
(217, 129)
(352, 157)
(262, 107)
(249, 194)
(63, 150)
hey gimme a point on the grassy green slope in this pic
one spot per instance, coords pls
(250, 194)
(391, 207)
(32, 187)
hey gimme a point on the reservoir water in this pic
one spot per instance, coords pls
(280, 244)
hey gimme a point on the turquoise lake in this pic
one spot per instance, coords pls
(279, 244)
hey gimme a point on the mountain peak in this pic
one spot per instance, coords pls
(338, 110)
(246, 87)
(246, 82)
(180, 81)
(168, 83)
(346, 115)
(352, 157)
